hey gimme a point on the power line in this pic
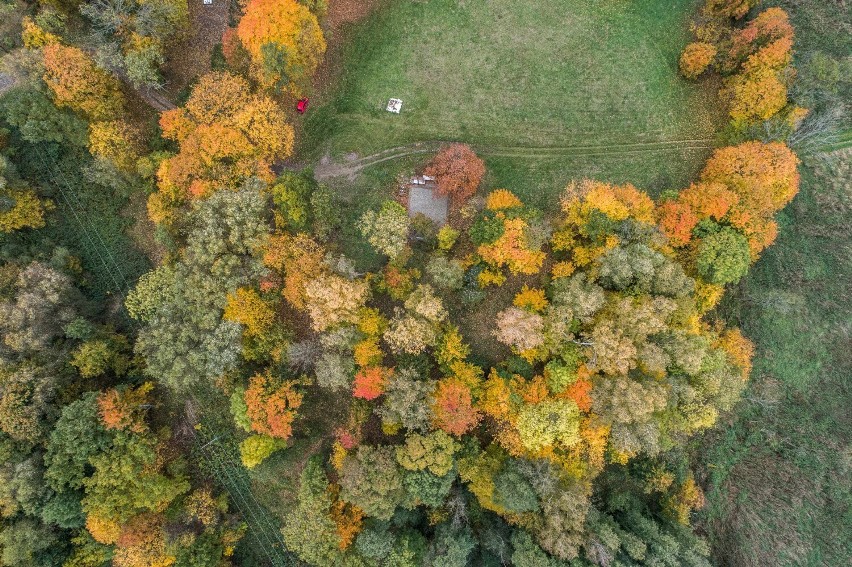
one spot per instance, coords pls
(248, 505)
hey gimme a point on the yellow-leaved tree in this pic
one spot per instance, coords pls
(284, 40)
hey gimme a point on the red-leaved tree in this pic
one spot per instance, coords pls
(457, 171)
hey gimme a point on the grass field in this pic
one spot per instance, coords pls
(778, 470)
(545, 91)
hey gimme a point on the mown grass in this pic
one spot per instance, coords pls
(593, 83)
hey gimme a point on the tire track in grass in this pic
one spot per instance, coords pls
(352, 168)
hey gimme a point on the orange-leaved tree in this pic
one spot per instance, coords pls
(452, 407)
(370, 382)
(284, 40)
(225, 134)
(125, 408)
(77, 83)
(696, 58)
(457, 171)
(271, 405)
(741, 186)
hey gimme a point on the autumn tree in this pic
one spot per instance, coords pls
(764, 178)
(696, 58)
(255, 449)
(284, 40)
(225, 134)
(77, 83)
(520, 329)
(452, 407)
(117, 141)
(433, 452)
(730, 8)
(457, 171)
(370, 382)
(332, 300)
(125, 408)
(271, 405)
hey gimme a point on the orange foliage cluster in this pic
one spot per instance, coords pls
(581, 392)
(771, 25)
(618, 202)
(230, 45)
(225, 134)
(452, 407)
(457, 171)
(739, 349)
(348, 518)
(142, 543)
(77, 83)
(272, 405)
(743, 186)
(370, 382)
(511, 248)
(125, 409)
(300, 258)
(286, 25)
(759, 53)
(764, 177)
(756, 56)
(696, 58)
(500, 199)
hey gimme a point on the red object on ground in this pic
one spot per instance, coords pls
(302, 105)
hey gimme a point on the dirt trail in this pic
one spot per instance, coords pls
(327, 169)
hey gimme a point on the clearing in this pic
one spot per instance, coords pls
(546, 92)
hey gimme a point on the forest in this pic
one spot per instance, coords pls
(617, 336)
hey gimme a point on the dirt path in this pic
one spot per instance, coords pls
(155, 99)
(350, 168)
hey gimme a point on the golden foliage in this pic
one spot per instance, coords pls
(117, 141)
(77, 83)
(225, 134)
(530, 299)
(696, 58)
(27, 210)
(286, 25)
(502, 199)
(246, 307)
(35, 36)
